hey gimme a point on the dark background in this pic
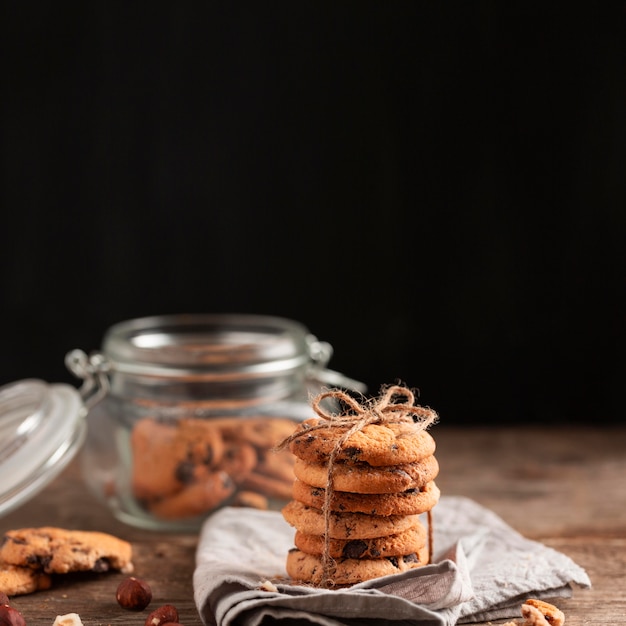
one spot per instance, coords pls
(436, 189)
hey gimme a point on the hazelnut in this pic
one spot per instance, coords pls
(133, 594)
(10, 616)
(163, 615)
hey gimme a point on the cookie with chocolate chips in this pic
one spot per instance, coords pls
(309, 568)
(59, 551)
(311, 521)
(375, 444)
(168, 457)
(363, 478)
(407, 542)
(207, 491)
(410, 502)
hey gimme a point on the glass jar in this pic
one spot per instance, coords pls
(185, 412)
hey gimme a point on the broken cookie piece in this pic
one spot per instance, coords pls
(16, 580)
(53, 550)
(539, 613)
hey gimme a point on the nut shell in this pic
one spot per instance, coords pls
(166, 614)
(133, 594)
(10, 616)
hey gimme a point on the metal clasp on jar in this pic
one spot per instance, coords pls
(93, 370)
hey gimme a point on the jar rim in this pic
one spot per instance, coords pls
(207, 344)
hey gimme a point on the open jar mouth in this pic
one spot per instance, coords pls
(205, 346)
(238, 360)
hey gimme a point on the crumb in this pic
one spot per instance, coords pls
(268, 585)
(71, 619)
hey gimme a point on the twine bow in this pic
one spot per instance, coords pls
(387, 409)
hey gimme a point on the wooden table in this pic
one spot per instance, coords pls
(565, 487)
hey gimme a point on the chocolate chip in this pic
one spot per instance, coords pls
(184, 472)
(400, 473)
(354, 549)
(353, 453)
(411, 558)
(41, 562)
(101, 565)
(393, 560)
(208, 455)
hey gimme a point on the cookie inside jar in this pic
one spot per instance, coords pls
(186, 468)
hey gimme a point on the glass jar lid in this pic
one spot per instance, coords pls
(42, 426)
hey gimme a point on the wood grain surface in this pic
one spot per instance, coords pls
(564, 487)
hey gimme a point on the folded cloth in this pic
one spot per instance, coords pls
(482, 570)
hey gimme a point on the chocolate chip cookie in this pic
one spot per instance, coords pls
(410, 502)
(59, 551)
(310, 568)
(376, 444)
(363, 478)
(407, 542)
(311, 521)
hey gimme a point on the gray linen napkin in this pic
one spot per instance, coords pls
(482, 570)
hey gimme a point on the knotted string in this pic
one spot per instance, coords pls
(354, 418)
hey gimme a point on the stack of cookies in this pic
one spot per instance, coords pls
(363, 480)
